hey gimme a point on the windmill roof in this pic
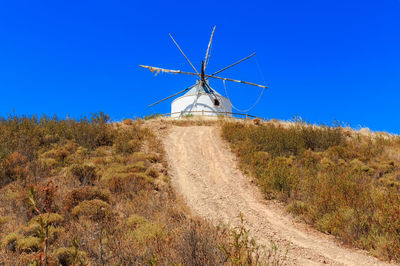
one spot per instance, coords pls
(200, 89)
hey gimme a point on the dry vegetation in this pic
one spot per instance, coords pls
(88, 192)
(342, 182)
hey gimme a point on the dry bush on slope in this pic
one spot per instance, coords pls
(103, 195)
(96, 168)
(344, 184)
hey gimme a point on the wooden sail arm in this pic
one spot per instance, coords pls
(170, 71)
(173, 95)
(238, 81)
(234, 64)
(206, 59)
(195, 70)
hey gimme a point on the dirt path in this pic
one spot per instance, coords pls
(204, 171)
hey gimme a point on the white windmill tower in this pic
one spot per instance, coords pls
(200, 98)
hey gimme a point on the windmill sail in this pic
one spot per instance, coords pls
(200, 97)
(234, 64)
(183, 53)
(172, 95)
(238, 81)
(170, 71)
(208, 49)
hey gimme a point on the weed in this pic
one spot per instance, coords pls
(241, 249)
(128, 122)
(333, 179)
(152, 116)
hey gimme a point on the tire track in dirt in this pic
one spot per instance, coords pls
(204, 171)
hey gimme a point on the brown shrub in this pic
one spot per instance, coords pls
(40, 199)
(96, 210)
(78, 195)
(335, 181)
(128, 122)
(129, 140)
(152, 172)
(199, 244)
(14, 167)
(70, 256)
(131, 183)
(86, 174)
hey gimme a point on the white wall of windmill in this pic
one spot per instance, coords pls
(205, 105)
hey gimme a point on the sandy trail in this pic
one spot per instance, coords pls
(205, 172)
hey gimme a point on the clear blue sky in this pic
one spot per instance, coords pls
(323, 60)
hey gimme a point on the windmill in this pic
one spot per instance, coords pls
(200, 98)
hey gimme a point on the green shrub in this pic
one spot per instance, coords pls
(96, 210)
(29, 244)
(142, 229)
(71, 255)
(48, 219)
(10, 241)
(134, 221)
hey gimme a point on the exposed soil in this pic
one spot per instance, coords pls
(204, 171)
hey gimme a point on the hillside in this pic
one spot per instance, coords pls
(88, 192)
(342, 182)
(156, 192)
(207, 174)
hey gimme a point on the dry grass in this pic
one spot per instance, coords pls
(344, 183)
(90, 192)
